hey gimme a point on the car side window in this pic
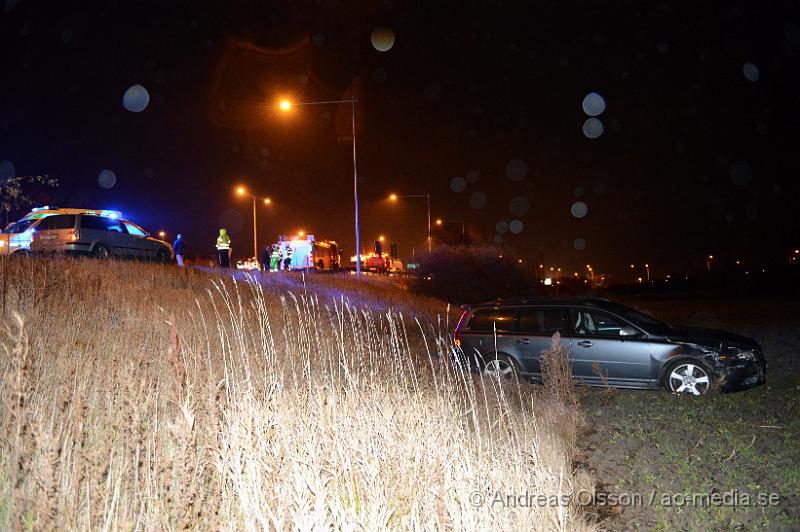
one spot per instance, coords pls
(101, 223)
(59, 221)
(595, 323)
(542, 320)
(491, 319)
(134, 230)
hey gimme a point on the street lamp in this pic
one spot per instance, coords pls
(241, 191)
(395, 197)
(286, 105)
(708, 262)
(647, 269)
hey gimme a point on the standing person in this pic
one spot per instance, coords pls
(287, 262)
(265, 258)
(274, 257)
(224, 248)
(179, 248)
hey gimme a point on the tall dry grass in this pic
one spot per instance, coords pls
(142, 397)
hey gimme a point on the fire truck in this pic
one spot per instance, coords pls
(309, 253)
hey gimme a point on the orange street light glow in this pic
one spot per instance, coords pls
(381, 238)
(285, 105)
(241, 191)
(267, 201)
(439, 221)
(393, 197)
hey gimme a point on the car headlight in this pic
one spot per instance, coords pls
(748, 355)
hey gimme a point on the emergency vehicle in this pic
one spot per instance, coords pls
(309, 253)
(17, 236)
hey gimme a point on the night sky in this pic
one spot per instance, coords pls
(478, 103)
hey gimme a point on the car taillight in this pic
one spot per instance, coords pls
(73, 236)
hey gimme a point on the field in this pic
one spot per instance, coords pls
(669, 448)
(144, 397)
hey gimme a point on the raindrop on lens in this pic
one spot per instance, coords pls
(458, 184)
(750, 71)
(472, 176)
(593, 128)
(382, 39)
(498, 239)
(579, 209)
(477, 200)
(136, 99)
(7, 170)
(579, 244)
(501, 227)
(593, 104)
(519, 206)
(516, 226)
(516, 170)
(740, 173)
(107, 179)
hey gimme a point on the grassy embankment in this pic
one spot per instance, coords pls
(146, 397)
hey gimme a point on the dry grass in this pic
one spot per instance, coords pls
(142, 397)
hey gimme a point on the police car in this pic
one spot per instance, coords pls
(99, 233)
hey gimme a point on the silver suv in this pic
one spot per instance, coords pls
(99, 235)
(609, 344)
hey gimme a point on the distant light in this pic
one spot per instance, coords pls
(302, 233)
(285, 105)
(162, 234)
(438, 221)
(379, 238)
(711, 257)
(520, 261)
(393, 197)
(135, 99)
(548, 281)
(241, 190)
(267, 201)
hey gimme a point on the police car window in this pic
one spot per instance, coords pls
(101, 223)
(546, 320)
(503, 319)
(134, 230)
(60, 221)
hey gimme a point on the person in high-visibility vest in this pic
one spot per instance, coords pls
(274, 257)
(224, 248)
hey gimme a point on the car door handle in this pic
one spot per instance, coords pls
(524, 341)
(585, 343)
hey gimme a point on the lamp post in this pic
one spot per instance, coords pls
(243, 192)
(708, 262)
(286, 106)
(395, 197)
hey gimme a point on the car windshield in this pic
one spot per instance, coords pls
(18, 227)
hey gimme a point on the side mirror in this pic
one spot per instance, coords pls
(628, 331)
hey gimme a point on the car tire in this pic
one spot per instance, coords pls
(501, 367)
(101, 251)
(690, 377)
(22, 253)
(162, 257)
